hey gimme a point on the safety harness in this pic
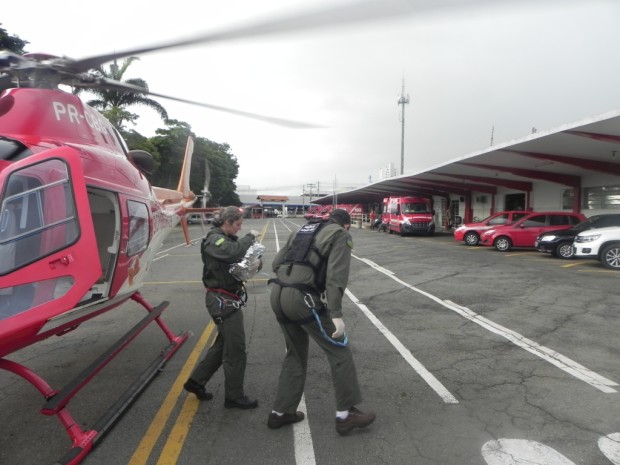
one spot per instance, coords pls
(297, 254)
(300, 248)
(228, 306)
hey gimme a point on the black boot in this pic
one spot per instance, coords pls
(197, 389)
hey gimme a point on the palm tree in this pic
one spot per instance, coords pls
(113, 103)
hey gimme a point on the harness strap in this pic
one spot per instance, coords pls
(241, 295)
(305, 290)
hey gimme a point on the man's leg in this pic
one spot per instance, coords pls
(293, 372)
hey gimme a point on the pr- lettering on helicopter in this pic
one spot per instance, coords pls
(80, 224)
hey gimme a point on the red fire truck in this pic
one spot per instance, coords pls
(409, 215)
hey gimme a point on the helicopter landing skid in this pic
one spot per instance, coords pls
(84, 441)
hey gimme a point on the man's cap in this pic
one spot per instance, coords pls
(340, 216)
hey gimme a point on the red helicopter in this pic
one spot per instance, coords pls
(79, 227)
(80, 224)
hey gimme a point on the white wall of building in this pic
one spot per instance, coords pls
(388, 172)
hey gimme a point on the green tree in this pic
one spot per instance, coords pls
(224, 170)
(114, 104)
(170, 145)
(12, 42)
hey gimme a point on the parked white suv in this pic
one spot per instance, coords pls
(602, 244)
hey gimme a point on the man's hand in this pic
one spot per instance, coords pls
(254, 233)
(339, 328)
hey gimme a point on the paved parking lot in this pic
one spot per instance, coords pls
(467, 355)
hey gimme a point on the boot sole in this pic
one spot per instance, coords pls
(347, 429)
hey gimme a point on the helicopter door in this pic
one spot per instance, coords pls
(46, 235)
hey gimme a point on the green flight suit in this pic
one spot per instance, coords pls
(295, 317)
(219, 251)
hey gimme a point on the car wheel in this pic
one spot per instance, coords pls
(564, 250)
(503, 244)
(471, 238)
(610, 257)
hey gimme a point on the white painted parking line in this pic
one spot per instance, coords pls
(549, 355)
(610, 447)
(406, 353)
(304, 449)
(570, 366)
(302, 436)
(521, 452)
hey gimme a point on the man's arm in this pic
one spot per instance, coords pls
(338, 265)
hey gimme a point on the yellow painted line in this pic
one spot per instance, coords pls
(570, 265)
(178, 435)
(143, 451)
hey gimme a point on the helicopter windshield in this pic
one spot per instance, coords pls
(13, 150)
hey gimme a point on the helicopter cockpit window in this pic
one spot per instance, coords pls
(121, 141)
(37, 214)
(138, 227)
(13, 150)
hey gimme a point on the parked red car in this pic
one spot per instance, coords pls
(523, 233)
(470, 232)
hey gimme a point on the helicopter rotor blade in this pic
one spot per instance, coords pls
(104, 83)
(351, 13)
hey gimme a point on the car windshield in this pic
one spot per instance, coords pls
(585, 224)
(495, 218)
(414, 208)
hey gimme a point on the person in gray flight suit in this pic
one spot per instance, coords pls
(225, 296)
(315, 262)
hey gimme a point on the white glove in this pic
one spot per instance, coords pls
(339, 328)
(254, 233)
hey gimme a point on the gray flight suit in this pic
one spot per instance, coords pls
(219, 251)
(290, 306)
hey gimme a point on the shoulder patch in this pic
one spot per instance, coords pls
(350, 243)
(219, 241)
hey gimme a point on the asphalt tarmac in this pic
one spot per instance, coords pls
(467, 355)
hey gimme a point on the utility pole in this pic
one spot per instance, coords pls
(402, 100)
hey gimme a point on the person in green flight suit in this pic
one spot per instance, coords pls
(312, 272)
(225, 296)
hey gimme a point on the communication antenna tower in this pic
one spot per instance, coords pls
(402, 100)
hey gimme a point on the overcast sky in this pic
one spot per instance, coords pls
(473, 71)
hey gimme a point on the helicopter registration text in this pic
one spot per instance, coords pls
(73, 114)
